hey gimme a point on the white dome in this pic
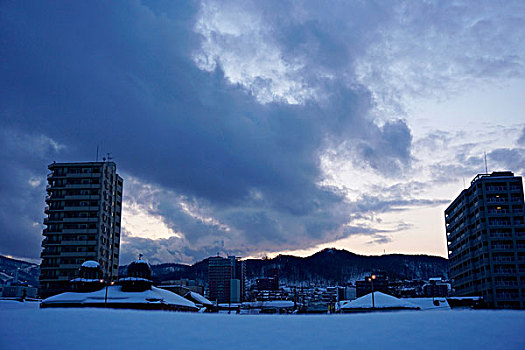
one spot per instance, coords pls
(91, 264)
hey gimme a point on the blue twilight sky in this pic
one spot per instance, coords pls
(260, 127)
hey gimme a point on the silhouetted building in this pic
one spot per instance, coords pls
(379, 284)
(226, 279)
(436, 288)
(486, 240)
(83, 210)
(270, 282)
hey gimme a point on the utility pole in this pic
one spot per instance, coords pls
(371, 279)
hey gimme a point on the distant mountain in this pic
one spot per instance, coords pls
(28, 272)
(333, 265)
(325, 267)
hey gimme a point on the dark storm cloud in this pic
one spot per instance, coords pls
(388, 148)
(202, 111)
(121, 76)
(24, 159)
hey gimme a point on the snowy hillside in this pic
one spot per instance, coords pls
(27, 272)
(24, 326)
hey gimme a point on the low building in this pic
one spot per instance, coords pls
(19, 291)
(436, 288)
(132, 292)
(182, 284)
(377, 301)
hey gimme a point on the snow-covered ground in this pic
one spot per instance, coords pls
(25, 326)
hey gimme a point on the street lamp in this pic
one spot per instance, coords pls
(371, 280)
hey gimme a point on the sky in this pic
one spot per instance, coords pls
(257, 128)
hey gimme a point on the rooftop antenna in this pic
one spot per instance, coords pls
(486, 167)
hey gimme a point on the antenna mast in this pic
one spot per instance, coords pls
(486, 167)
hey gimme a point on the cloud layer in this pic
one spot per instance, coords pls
(220, 114)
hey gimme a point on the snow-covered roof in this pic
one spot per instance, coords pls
(140, 261)
(381, 301)
(428, 303)
(200, 299)
(91, 264)
(78, 279)
(271, 304)
(116, 295)
(133, 279)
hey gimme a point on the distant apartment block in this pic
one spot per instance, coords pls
(226, 279)
(486, 240)
(84, 203)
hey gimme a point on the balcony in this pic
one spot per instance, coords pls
(503, 259)
(82, 197)
(81, 208)
(499, 223)
(506, 284)
(49, 254)
(499, 212)
(97, 186)
(83, 175)
(504, 271)
(81, 219)
(79, 243)
(502, 247)
(79, 254)
(509, 297)
(500, 235)
(494, 188)
(78, 231)
(47, 265)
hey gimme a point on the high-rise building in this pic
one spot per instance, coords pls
(226, 279)
(486, 240)
(84, 204)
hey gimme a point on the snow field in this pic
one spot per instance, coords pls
(25, 326)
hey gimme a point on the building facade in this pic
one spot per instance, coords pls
(485, 231)
(226, 279)
(84, 204)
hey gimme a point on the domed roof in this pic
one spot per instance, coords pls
(90, 270)
(91, 264)
(139, 268)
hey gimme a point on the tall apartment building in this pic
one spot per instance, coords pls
(486, 240)
(226, 279)
(84, 202)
